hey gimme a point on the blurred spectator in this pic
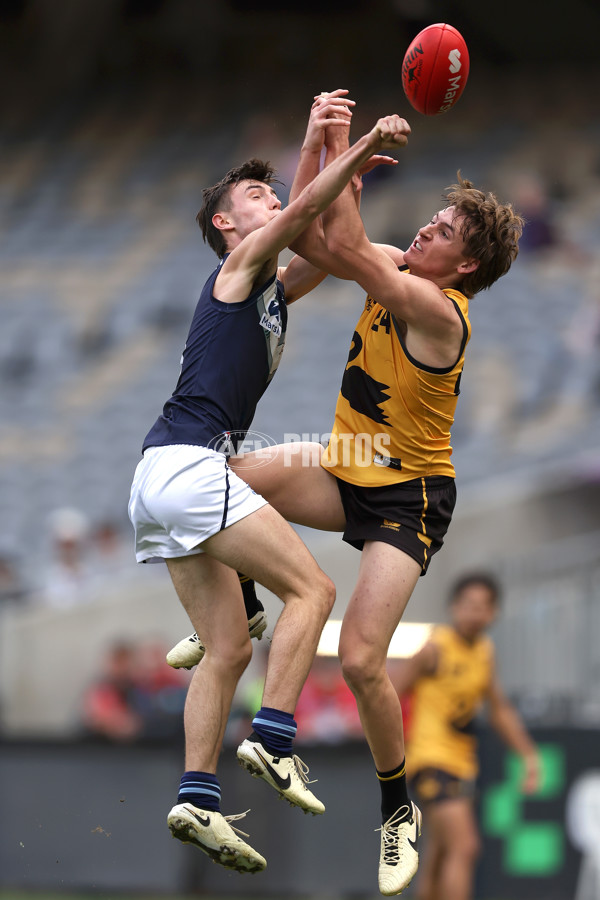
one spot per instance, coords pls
(109, 705)
(83, 558)
(110, 551)
(137, 697)
(532, 202)
(544, 227)
(326, 712)
(69, 574)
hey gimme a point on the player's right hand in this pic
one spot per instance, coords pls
(392, 131)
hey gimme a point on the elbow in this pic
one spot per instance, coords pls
(339, 244)
(345, 245)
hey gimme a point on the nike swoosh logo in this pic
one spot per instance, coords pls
(415, 844)
(282, 783)
(205, 822)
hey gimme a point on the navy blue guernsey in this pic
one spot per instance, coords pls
(230, 356)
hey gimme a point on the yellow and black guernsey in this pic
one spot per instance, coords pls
(393, 414)
(445, 704)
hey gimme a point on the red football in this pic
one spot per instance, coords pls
(435, 69)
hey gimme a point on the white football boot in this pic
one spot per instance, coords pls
(212, 833)
(287, 774)
(399, 857)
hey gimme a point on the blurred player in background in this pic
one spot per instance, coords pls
(448, 681)
(386, 479)
(189, 508)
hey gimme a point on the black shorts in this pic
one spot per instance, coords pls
(435, 785)
(413, 515)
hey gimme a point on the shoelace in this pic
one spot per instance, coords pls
(389, 830)
(235, 818)
(303, 770)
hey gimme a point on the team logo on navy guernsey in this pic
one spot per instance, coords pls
(271, 319)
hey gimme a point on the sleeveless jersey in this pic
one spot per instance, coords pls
(230, 356)
(444, 706)
(393, 414)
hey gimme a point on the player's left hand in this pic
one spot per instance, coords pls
(329, 109)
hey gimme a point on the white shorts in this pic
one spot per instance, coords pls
(181, 495)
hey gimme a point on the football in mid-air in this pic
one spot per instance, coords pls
(435, 69)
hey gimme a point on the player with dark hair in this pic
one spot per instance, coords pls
(191, 510)
(218, 199)
(386, 478)
(448, 681)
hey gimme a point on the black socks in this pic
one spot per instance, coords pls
(393, 791)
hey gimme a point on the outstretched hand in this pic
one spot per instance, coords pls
(392, 131)
(374, 161)
(329, 110)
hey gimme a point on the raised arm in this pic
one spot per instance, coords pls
(261, 247)
(306, 270)
(329, 111)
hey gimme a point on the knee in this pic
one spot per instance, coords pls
(232, 658)
(242, 656)
(361, 665)
(326, 596)
(320, 594)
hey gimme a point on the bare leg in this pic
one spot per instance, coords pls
(429, 862)
(267, 549)
(212, 597)
(211, 594)
(452, 827)
(291, 478)
(386, 579)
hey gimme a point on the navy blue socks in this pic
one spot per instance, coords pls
(201, 789)
(275, 729)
